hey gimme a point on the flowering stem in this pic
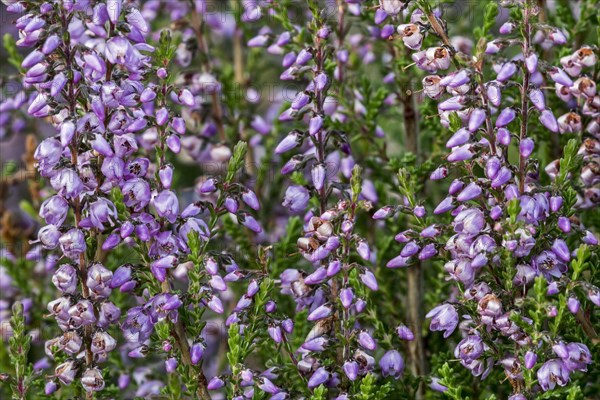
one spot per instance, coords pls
(489, 127)
(87, 330)
(524, 97)
(184, 347)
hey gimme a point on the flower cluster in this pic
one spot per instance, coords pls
(508, 228)
(102, 84)
(214, 190)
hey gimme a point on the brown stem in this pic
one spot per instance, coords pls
(238, 56)
(439, 29)
(198, 26)
(441, 32)
(587, 327)
(415, 273)
(415, 277)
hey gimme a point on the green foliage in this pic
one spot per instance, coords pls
(320, 393)
(569, 163)
(356, 183)
(166, 49)
(14, 58)
(370, 389)
(19, 345)
(447, 378)
(237, 160)
(489, 20)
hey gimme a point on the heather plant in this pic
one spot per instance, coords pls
(320, 199)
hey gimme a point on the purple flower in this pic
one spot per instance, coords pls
(469, 349)
(573, 305)
(577, 356)
(461, 137)
(405, 333)
(506, 72)
(553, 372)
(249, 222)
(319, 377)
(100, 212)
(65, 278)
(549, 265)
(82, 313)
(559, 247)
(537, 98)
(350, 368)
(160, 266)
(506, 117)
(392, 364)
(410, 249)
(215, 383)
(249, 197)
(275, 333)
(315, 125)
(439, 173)
(526, 147)
(461, 153)
(301, 100)
(303, 57)
(66, 372)
(318, 174)
(548, 119)
(346, 297)
(530, 359)
(469, 221)
(369, 280)
(296, 198)
(136, 193)
(398, 262)
(411, 35)
(167, 205)
(291, 141)
(98, 281)
(120, 51)
(320, 312)
(196, 352)
(73, 243)
(437, 386)
(443, 318)
(366, 340)
(54, 210)
(171, 365)
(472, 191)
(67, 183)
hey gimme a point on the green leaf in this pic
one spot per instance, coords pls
(320, 393)
(356, 182)
(19, 344)
(455, 122)
(448, 379)
(569, 163)
(237, 160)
